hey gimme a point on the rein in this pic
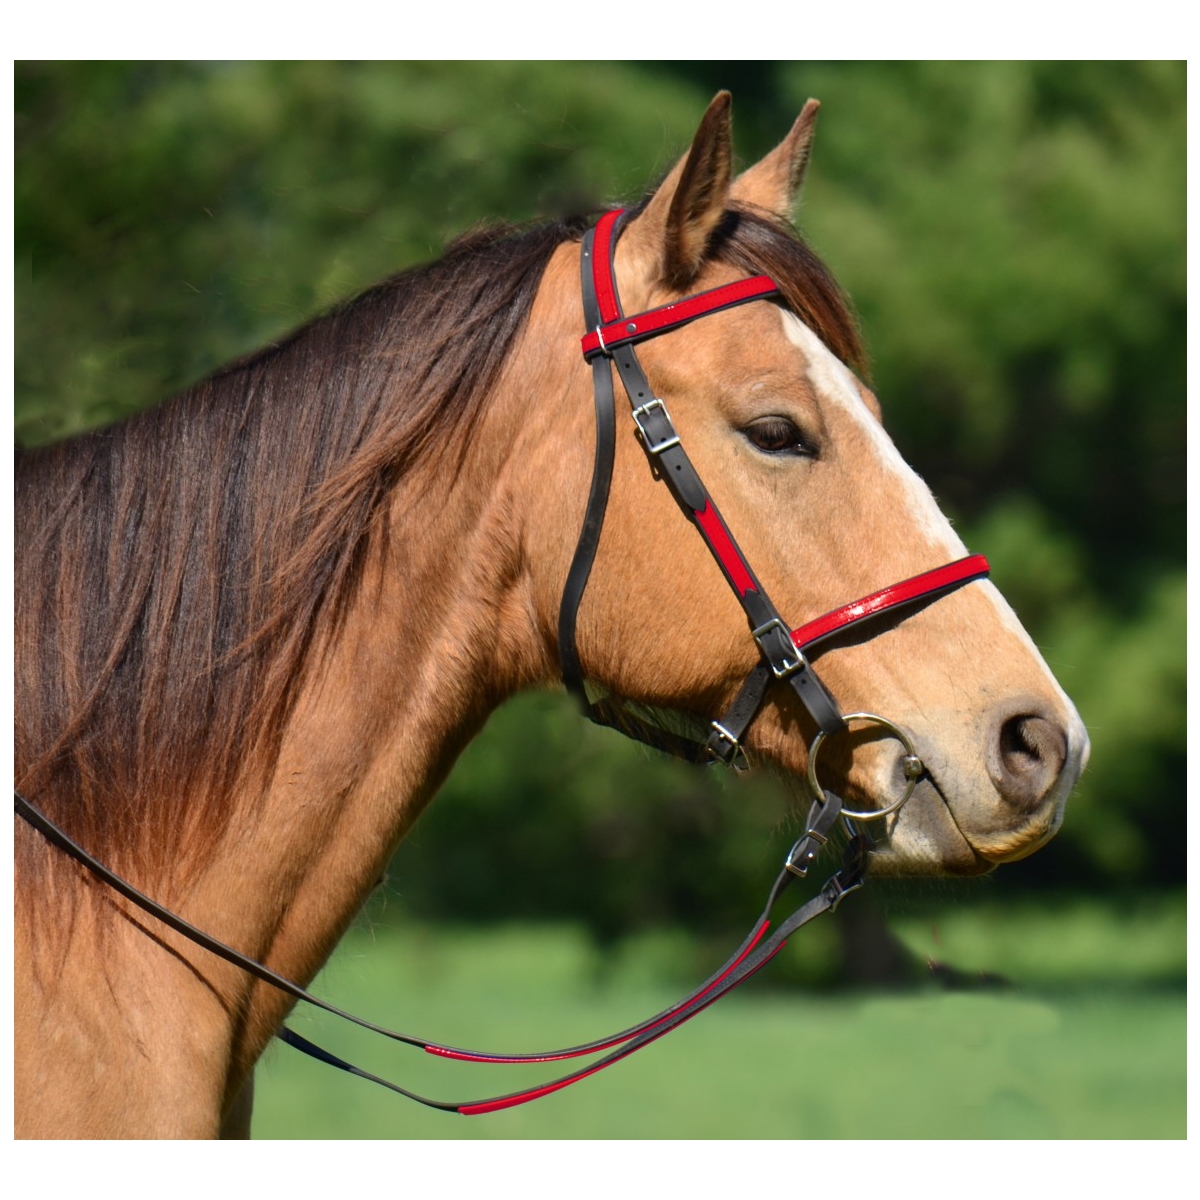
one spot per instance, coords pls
(754, 953)
(610, 342)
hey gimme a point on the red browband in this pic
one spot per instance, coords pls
(626, 330)
(618, 330)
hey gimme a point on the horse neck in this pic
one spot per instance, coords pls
(437, 636)
(422, 656)
(442, 626)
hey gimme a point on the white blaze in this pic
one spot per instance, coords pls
(835, 384)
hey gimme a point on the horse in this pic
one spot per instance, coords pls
(255, 626)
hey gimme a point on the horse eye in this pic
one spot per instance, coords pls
(778, 435)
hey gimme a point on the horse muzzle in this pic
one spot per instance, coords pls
(967, 822)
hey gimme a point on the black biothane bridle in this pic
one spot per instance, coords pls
(610, 341)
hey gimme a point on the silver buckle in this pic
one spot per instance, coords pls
(783, 669)
(737, 758)
(639, 416)
(803, 854)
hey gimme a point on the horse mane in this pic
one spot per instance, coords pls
(174, 573)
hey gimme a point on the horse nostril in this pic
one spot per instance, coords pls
(1031, 753)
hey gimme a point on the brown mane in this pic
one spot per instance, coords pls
(172, 572)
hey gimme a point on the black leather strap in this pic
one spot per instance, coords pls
(725, 736)
(593, 520)
(662, 444)
(57, 837)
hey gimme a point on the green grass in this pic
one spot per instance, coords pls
(1087, 1041)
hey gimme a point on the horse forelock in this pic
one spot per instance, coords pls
(759, 243)
(175, 573)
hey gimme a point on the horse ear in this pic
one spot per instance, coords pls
(774, 183)
(671, 233)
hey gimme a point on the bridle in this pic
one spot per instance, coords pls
(784, 653)
(610, 342)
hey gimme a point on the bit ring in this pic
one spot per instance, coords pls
(913, 767)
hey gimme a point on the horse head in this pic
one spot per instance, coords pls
(791, 444)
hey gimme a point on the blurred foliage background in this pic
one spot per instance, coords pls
(1012, 235)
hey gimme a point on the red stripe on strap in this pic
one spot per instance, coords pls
(602, 274)
(618, 332)
(596, 1047)
(488, 1106)
(721, 543)
(963, 571)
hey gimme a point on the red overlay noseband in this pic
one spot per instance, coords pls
(910, 591)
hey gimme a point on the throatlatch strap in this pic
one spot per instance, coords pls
(593, 520)
(603, 712)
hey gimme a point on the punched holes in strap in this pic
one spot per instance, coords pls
(657, 430)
